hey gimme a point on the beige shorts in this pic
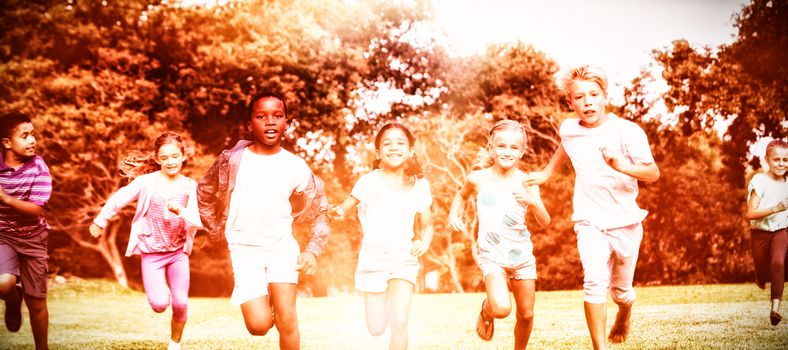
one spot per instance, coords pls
(525, 270)
(374, 270)
(609, 258)
(255, 267)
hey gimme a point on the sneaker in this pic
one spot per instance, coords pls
(13, 310)
(174, 346)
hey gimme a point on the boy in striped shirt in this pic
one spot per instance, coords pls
(25, 187)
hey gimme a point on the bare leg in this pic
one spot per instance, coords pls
(286, 320)
(524, 298)
(400, 294)
(257, 315)
(498, 304)
(377, 312)
(39, 320)
(596, 315)
(13, 301)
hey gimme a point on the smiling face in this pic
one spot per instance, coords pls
(506, 148)
(394, 149)
(588, 101)
(170, 157)
(22, 142)
(777, 159)
(267, 123)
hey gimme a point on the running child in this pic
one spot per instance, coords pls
(609, 155)
(504, 242)
(251, 195)
(767, 199)
(25, 187)
(390, 200)
(163, 227)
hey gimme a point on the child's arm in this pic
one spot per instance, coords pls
(307, 260)
(648, 172)
(114, 204)
(24, 207)
(207, 199)
(424, 234)
(338, 211)
(755, 213)
(532, 197)
(458, 203)
(540, 177)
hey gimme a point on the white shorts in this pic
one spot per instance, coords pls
(255, 267)
(374, 270)
(609, 258)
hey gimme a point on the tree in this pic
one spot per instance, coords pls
(742, 84)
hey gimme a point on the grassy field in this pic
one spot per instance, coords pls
(99, 315)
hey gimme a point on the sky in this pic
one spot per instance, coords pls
(616, 35)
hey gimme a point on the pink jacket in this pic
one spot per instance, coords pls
(141, 189)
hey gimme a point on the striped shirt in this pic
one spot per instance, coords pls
(163, 230)
(31, 183)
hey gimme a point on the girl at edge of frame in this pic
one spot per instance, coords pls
(767, 200)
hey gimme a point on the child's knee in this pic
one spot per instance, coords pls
(500, 311)
(526, 315)
(594, 292)
(179, 311)
(623, 296)
(398, 322)
(7, 283)
(259, 328)
(158, 306)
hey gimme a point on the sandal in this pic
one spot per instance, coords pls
(485, 327)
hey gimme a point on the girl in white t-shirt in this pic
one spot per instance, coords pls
(504, 243)
(767, 199)
(390, 200)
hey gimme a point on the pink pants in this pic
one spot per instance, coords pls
(609, 258)
(160, 270)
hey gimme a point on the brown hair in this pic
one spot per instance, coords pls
(140, 163)
(413, 166)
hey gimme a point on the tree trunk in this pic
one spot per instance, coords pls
(106, 245)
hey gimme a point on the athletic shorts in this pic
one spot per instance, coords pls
(375, 269)
(255, 267)
(26, 258)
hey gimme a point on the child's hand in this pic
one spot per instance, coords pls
(419, 248)
(523, 196)
(535, 178)
(174, 208)
(456, 224)
(307, 263)
(336, 212)
(95, 230)
(612, 158)
(782, 205)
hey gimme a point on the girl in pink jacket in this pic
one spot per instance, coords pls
(163, 227)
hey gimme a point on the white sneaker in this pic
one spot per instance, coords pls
(174, 346)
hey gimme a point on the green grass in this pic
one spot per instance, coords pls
(100, 315)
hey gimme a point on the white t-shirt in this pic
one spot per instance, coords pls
(604, 196)
(260, 212)
(387, 215)
(771, 192)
